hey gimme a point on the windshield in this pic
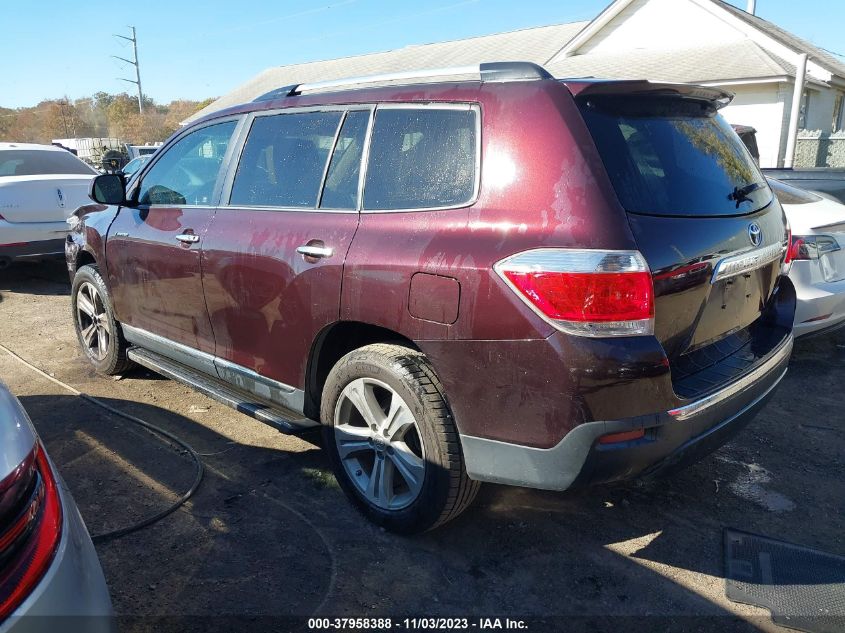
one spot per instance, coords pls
(29, 162)
(669, 156)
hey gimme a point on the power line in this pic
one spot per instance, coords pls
(134, 62)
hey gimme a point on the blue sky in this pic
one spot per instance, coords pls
(193, 50)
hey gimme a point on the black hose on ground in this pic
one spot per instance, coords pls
(155, 430)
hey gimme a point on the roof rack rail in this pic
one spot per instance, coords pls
(487, 72)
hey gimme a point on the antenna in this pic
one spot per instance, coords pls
(134, 62)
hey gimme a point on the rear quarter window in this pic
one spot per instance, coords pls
(422, 158)
(668, 156)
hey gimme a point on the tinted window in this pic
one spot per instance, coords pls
(283, 160)
(421, 158)
(671, 157)
(787, 194)
(29, 162)
(187, 172)
(341, 188)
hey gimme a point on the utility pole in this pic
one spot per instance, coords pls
(62, 106)
(134, 62)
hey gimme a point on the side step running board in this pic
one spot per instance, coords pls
(282, 419)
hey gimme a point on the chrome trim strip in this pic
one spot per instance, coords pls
(690, 410)
(385, 77)
(184, 354)
(238, 375)
(263, 387)
(746, 261)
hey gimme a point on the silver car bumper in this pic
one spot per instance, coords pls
(73, 595)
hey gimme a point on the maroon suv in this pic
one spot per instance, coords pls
(502, 277)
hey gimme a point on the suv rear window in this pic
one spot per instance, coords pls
(670, 156)
(38, 162)
(421, 158)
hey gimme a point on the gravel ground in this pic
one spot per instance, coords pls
(269, 535)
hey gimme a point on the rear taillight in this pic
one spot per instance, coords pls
(30, 530)
(788, 259)
(584, 292)
(804, 247)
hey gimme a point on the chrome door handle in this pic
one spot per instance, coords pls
(188, 238)
(314, 251)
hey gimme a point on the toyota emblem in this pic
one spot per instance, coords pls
(755, 234)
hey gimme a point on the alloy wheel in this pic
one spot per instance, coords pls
(379, 444)
(94, 327)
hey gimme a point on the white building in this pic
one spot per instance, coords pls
(697, 41)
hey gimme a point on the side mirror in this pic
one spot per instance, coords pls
(108, 189)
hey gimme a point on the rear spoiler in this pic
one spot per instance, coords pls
(833, 227)
(642, 88)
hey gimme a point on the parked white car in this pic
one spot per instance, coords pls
(40, 186)
(818, 254)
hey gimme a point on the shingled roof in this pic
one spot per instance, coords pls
(743, 59)
(534, 45)
(822, 57)
(738, 60)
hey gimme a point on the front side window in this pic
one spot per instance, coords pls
(421, 158)
(187, 172)
(283, 160)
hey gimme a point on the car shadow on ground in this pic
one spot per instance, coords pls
(270, 534)
(48, 277)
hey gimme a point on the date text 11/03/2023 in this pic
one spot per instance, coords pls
(427, 624)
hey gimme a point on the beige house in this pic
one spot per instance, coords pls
(700, 41)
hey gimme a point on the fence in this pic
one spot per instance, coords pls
(815, 148)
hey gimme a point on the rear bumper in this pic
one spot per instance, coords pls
(672, 438)
(821, 305)
(72, 595)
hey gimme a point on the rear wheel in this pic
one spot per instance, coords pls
(98, 332)
(392, 441)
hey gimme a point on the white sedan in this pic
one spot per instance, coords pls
(40, 186)
(817, 250)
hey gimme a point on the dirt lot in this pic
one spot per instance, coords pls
(269, 534)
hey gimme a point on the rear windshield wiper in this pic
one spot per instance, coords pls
(740, 194)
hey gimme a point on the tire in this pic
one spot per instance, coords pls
(91, 305)
(420, 447)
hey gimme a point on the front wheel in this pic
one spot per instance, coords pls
(392, 441)
(97, 330)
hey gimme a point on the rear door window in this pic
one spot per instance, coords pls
(341, 188)
(284, 159)
(668, 156)
(421, 158)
